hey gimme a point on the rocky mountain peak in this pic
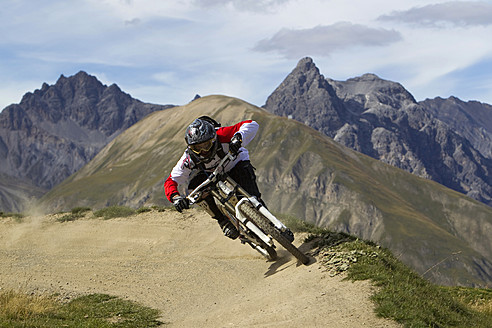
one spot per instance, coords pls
(58, 128)
(306, 64)
(472, 120)
(81, 82)
(378, 89)
(305, 75)
(64, 99)
(380, 118)
(366, 77)
(306, 95)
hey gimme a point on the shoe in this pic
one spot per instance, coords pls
(288, 235)
(229, 229)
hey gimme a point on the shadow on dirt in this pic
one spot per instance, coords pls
(286, 260)
(311, 246)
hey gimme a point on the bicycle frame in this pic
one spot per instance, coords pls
(227, 192)
(257, 226)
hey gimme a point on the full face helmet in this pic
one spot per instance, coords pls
(202, 139)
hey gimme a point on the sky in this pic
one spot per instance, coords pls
(166, 52)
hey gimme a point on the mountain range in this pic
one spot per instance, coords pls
(81, 143)
(444, 140)
(56, 130)
(442, 234)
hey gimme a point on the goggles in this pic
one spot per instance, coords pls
(202, 147)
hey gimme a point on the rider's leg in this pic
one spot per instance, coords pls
(208, 203)
(243, 173)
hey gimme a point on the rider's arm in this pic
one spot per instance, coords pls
(171, 188)
(179, 175)
(247, 129)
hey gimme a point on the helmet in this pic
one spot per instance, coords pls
(202, 139)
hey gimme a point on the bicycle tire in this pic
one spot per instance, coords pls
(272, 253)
(265, 225)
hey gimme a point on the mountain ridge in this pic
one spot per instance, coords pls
(57, 129)
(382, 119)
(471, 119)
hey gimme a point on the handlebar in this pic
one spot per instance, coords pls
(212, 178)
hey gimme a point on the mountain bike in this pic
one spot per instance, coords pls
(257, 226)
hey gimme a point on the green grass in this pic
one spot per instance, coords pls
(403, 295)
(297, 225)
(114, 212)
(109, 212)
(106, 213)
(95, 311)
(16, 216)
(76, 213)
(162, 208)
(477, 298)
(143, 210)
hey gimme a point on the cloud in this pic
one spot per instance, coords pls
(458, 13)
(134, 21)
(167, 51)
(324, 40)
(265, 6)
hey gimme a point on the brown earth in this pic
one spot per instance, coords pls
(182, 265)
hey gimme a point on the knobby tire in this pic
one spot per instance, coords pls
(272, 254)
(265, 225)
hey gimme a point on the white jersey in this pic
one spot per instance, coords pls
(185, 169)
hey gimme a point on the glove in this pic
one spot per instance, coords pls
(180, 203)
(235, 143)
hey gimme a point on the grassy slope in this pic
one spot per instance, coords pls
(95, 311)
(403, 295)
(306, 175)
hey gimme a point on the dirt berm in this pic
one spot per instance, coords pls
(182, 265)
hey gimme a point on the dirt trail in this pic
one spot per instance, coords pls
(181, 265)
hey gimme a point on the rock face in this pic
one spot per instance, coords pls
(57, 129)
(306, 96)
(472, 120)
(381, 119)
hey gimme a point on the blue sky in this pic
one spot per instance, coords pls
(165, 52)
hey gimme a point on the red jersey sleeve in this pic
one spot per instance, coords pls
(226, 133)
(170, 188)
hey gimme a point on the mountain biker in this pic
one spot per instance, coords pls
(207, 144)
